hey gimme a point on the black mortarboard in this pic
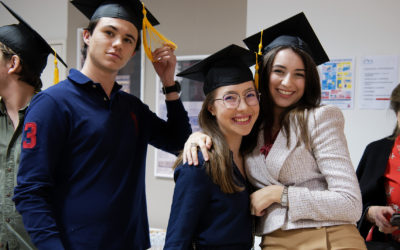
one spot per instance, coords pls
(228, 66)
(295, 31)
(129, 10)
(27, 43)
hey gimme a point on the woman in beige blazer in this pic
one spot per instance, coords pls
(307, 195)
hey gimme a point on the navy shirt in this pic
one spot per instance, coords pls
(202, 214)
(81, 182)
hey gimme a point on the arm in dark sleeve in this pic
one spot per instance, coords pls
(191, 196)
(363, 224)
(42, 141)
(370, 174)
(172, 134)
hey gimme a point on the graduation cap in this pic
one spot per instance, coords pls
(129, 10)
(295, 31)
(229, 66)
(27, 43)
(133, 11)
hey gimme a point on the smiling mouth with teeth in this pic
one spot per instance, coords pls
(244, 119)
(285, 92)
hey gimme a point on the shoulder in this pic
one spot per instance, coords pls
(59, 91)
(325, 115)
(384, 142)
(191, 172)
(327, 112)
(129, 97)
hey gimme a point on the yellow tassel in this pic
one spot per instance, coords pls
(153, 35)
(256, 78)
(56, 73)
(256, 75)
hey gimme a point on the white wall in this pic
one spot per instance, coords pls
(345, 28)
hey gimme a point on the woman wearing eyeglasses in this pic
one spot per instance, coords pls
(307, 195)
(211, 206)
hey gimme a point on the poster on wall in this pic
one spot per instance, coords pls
(378, 77)
(337, 83)
(192, 97)
(129, 76)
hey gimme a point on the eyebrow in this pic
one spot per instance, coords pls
(244, 91)
(116, 29)
(283, 67)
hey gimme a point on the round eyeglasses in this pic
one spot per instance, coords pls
(232, 100)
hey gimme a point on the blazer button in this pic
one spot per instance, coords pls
(8, 195)
(8, 220)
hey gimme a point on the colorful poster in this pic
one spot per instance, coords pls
(337, 83)
(378, 77)
(192, 97)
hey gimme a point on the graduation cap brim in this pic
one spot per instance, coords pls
(129, 10)
(295, 26)
(40, 40)
(197, 71)
(228, 66)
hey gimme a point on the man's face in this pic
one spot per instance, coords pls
(111, 44)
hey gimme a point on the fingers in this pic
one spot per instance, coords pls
(190, 153)
(387, 230)
(163, 54)
(380, 214)
(193, 152)
(208, 142)
(205, 143)
(256, 212)
(186, 155)
(204, 149)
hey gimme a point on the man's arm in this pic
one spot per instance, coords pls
(169, 135)
(42, 142)
(164, 65)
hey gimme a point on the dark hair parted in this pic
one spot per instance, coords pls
(220, 165)
(26, 74)
(395, 106)
(296, 112)
(92, 25)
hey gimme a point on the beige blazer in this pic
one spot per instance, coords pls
(323, 187)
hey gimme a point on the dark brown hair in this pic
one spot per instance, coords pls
(310, 99)
(26, 74)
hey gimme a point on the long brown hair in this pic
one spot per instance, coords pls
(296, 112)
(395, 106)
(220, 165)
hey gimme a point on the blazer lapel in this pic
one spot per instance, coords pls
(279, 153)
(270, 167)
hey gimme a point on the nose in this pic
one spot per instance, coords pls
(286, 79)
(117, 42)
(242, 104)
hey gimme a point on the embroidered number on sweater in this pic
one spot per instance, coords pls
(30, 141)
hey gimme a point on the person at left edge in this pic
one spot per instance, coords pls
(23, 56)
(81, 183)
